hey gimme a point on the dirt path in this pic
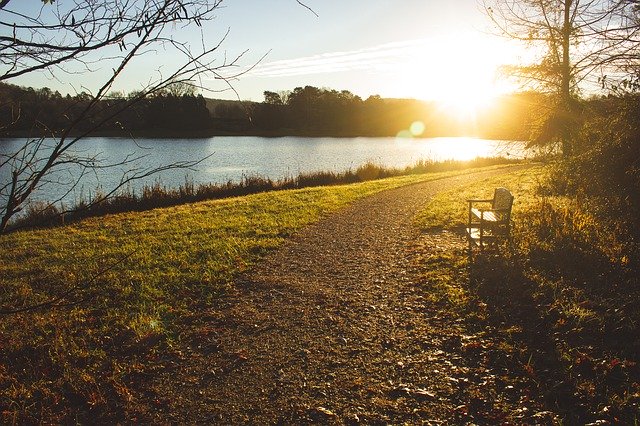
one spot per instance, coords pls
(331, 327)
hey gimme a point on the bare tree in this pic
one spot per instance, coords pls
(622, 62)
(578, 43)
(87, 37)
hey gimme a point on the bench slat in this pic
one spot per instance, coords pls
(488, 215)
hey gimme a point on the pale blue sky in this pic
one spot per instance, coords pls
(401, 48)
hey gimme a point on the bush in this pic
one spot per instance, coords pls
(604, 175)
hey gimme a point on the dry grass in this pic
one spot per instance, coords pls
(563, 296)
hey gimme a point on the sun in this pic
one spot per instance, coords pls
(467, 103)
(458, 72)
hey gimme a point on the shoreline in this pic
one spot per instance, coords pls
(205, 134)
(156, 195)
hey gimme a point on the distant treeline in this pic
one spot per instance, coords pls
(42, 111)
(303, 111)
(325, 111)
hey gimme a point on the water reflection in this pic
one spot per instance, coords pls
(463, 148)
(235, 157)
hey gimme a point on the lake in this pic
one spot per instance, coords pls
(232, 157)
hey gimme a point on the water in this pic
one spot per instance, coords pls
(231, 158)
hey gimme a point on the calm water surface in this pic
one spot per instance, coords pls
(231, 158)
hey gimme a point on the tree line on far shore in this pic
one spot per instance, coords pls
(312, 111)
(25, 110)
(303, 111)
(330, 112)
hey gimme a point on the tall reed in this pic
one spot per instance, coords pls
(155, 195)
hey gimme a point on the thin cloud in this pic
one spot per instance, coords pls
(382, 57)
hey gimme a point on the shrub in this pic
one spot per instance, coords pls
(604, 175)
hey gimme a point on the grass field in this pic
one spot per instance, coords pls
(87, 308)
(85, 305)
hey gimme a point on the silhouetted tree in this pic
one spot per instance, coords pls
(272, 98)
(624, 61)
(79, 35)
(303, 104)
(577, 40)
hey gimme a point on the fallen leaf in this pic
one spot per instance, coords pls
(325, 411)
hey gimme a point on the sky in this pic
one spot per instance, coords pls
(423, 49)
(402, 49)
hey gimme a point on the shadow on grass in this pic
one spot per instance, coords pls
(571, 319)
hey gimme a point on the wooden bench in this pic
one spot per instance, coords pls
(487, 225)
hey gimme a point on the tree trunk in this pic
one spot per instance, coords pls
(565, 89)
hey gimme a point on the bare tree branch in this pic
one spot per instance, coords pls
(576, 40)
(89, 34)
(308, 8)
(79, 37)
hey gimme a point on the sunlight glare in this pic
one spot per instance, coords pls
(458, 148)
(459, 72)
(416, 130)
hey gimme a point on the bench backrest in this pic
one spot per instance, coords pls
(502, 200)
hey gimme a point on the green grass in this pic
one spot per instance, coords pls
(448, 210)
(446, 269)
(121, 291)
(118, 288)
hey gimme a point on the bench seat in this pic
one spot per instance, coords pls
(487, 225)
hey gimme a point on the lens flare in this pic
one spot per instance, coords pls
(417, 128)
(404, 134)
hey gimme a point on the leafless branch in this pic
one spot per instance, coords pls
(598, 33)
(307, 7)
(82, 37)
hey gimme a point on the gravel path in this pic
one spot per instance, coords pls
(331, 327)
